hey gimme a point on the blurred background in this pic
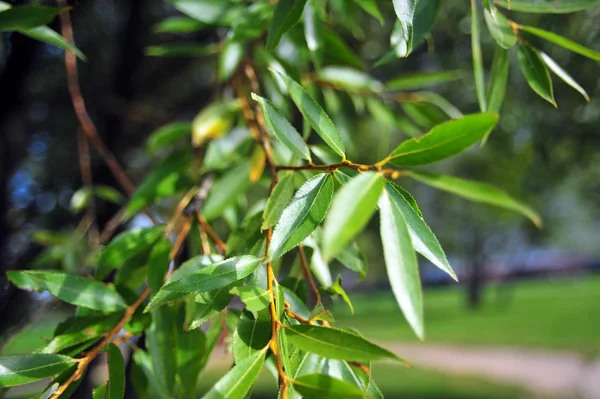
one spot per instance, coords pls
(524, 321)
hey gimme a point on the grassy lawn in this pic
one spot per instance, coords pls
(558, 314)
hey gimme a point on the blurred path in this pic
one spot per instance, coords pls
(548, 373)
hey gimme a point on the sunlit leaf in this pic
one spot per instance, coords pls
(23, 369)
(536, 73)
(337, 289)
(223, 12)
(278, 200)
(564, 75)
(476, 191)
(304, 213)
(324, 386)
(405, 11)
(47, 35)
(251, 336)
(26, 17)
(116, 373)
(239, 380)
(422, 79)
(213, 121)
(563, 41)
(167, 135)
(287, 14)
(208, 305)
(500, 29)
(498, 80)
(178, 25)
(349, 79)
(255, 298)
(371, 7)
(548, 7)
(70, 288)
(182, 50)
(477, 57)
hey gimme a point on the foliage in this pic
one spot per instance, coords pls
(242, 170)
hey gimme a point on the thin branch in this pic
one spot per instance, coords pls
(308, 275)
(219, 244)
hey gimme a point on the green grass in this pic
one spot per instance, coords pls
(560, 314)
(397, 382)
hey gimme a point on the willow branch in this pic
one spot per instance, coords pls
(308, 275)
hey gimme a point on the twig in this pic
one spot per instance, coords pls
(308, 275)
(296, 316)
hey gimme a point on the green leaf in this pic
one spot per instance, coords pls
(208, 278)
(278, 200)
(70, 288)
(401, 262)
(239, 380)
(47, 35)
(498, 80)
(158, 263)
(116, 373)
(223, 12)
(162, 342)
(477, 58)
(255, 298)
(251, 336)
(167, 135)
(323, 386)
(422, 238)
(166, 179)
(349, 79)
(562, 41)
(100, 392)
(226, 190)
(191, 346)
(81, 197)
(354, 259)
(351, 210)
(287, 14)
(23, 369)
(247, 238)
(548, 7)
(476, 191)
(302, 216)
(182, 50)
(230, 58)
(26, 17)
(336, 344)
(371, 7)
(536, 73)
(213, 121)
(443, 141)
(313, 32)
(500, 29)
(178, 25)
(337, 289)
(564, 75)
(79, 330)
(208, 305)
(338, 52)
(422, 79)
(282, 129)
(126, 246)
(313, 112)
(405, 10)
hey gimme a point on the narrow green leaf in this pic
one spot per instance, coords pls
(564, 75)
(278, 200)
(255, 298)
(116, 373)
(349, 79)
(282, 129)
(79, 330)
(302, 216)
(354, 259)
(440, 102)
(126, 246)
(166, 179)
(230, 58)
(208, 305)
(562, 41)
(287, 14)
(239, 380)
(167, 135)
(47, 35)
(26, 17)
(247, 238)
(444, 140)
(336, 344)
(337, 289)
(226, 190)
(500, 29)
(536, 73)
(351, 210)
(401, 263)
(405, 10)
(23, 369)
(158, 263)
(81, 197)
(313, 32)
(182, 50)
(313, 112)
(422, 238)
(100, 392)
(371, 7)
(251, 336)
(422, 79)
(191, 346)
(323, 386)
(223, 12)
(548, 7)
(178, 25)
(477, 58)
(162, 341)
(338, 52)
(476, 191)
(498, 80)
(208, 278)
(70, 288)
